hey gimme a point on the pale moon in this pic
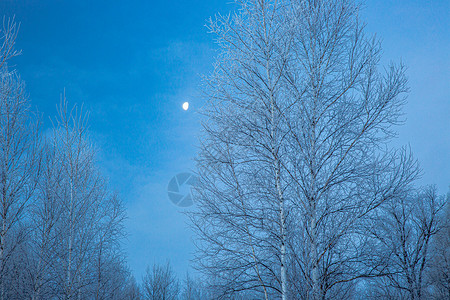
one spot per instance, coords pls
(185, 105)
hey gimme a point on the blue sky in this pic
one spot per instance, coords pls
(133, 63)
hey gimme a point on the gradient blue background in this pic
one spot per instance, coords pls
(133, 63)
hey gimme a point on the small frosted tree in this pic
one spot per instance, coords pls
(406, 230)
(194, 289)
(440, 259)
(160, 283)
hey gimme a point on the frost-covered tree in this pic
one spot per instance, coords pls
(60, 226)
(439, 273)
(8, 35)
(19, 157)
(75, 223)
(294, 155)
(87, 260)
(194, 289)
(45, 213)
(132, 290)
(406, 229)
(160, 283)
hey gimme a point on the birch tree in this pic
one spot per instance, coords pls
(8, 35)
(109, 267)
(45, 215)
(439, 278)
(406, 230)
(77, 224)
(132, 291)
(60, 226)
(160, 283)
(19, 159)
(294, 154)
(79, 195)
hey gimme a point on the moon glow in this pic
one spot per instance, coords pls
(185, 105)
